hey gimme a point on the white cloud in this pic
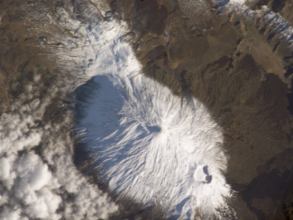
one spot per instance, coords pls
(10, 214)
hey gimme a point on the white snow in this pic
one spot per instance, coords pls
(150, 145)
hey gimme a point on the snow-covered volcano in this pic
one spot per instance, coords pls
(149, 145)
